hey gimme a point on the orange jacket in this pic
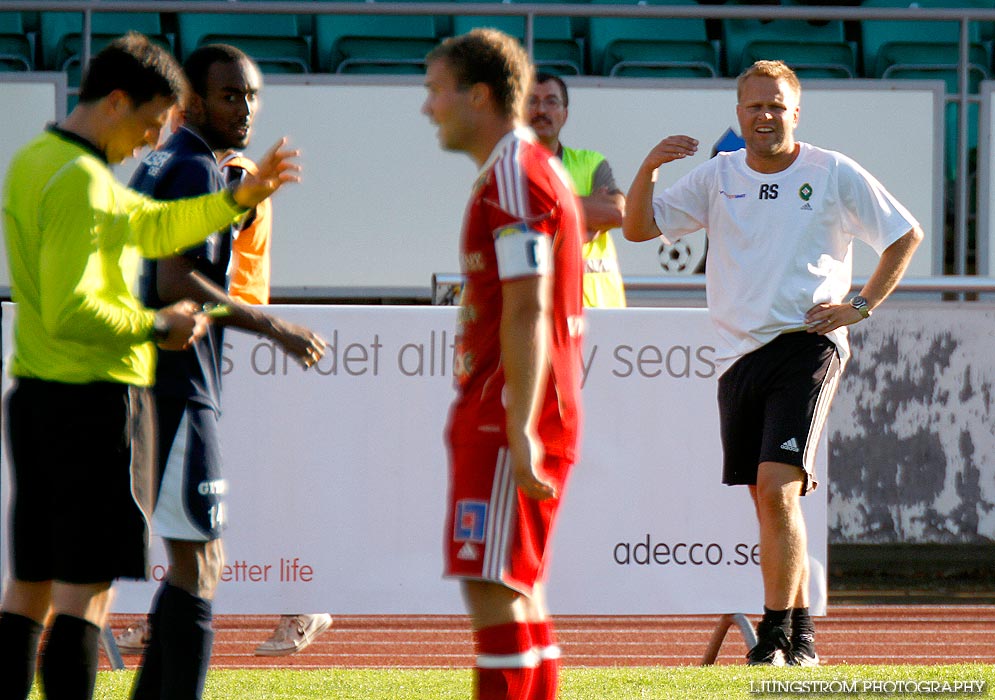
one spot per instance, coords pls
(250, 251)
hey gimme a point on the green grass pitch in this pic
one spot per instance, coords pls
(639, 683)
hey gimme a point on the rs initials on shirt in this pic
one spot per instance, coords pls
(768, 191)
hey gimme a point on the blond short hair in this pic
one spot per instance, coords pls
(778, 70)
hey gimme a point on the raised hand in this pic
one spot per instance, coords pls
(671, 148)
(276, 169)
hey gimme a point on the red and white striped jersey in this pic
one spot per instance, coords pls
(522, 220)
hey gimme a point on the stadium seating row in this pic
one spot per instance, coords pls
(677, 47)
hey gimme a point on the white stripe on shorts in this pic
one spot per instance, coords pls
(170, 519)
(502, 515)
(821, 414)
(133, 435)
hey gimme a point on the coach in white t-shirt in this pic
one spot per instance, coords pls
(780, 216)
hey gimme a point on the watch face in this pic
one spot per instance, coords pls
(860, 304)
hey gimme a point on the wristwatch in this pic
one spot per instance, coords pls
(160, 330)
(860, 304)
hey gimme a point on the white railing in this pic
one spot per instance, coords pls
(446, 286)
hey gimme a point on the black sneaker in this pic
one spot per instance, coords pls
(803, 650)
(772, 647)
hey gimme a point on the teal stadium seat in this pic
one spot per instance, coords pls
(16, 45)
(917, 50)
(275, 42)
(651, 47)
(812, 50)
(375, 43)
(921, 49)
(555, 48)
(62, 41)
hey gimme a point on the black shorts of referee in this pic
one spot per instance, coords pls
(773, 406)
(82, 477)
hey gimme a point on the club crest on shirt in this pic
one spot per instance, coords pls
(805, 192)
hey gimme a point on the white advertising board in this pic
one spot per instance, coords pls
(381, 205)
(338, 475)
(27, 103)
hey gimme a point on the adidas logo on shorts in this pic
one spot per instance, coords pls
(791, 445)
(468, 552)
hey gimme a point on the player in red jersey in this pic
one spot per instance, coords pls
(514, 425)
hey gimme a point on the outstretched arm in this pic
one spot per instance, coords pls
(177, 278)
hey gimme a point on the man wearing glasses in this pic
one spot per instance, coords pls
(600, 198)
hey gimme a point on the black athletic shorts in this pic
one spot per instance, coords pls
(773, 405)
(82, 479)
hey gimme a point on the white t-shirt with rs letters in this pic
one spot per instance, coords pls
(778, 243)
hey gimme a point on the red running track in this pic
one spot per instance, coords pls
(853, 634)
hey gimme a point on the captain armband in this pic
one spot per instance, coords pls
(522, 252)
